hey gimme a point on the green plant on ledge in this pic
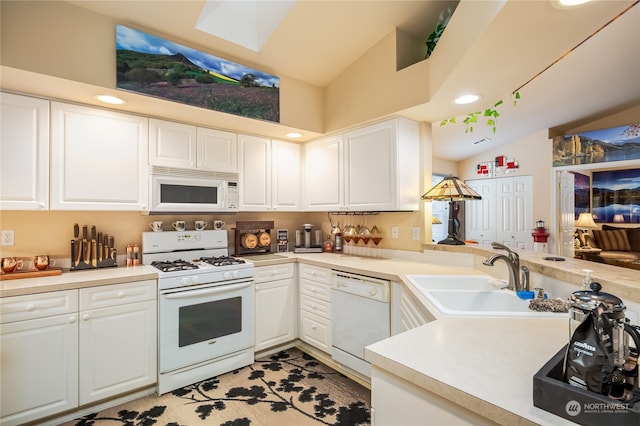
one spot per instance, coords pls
(491, 115)
(434, 38)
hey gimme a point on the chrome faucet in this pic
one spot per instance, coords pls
(513, 262)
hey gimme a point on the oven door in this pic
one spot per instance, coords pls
(186, 194)
(205, 322)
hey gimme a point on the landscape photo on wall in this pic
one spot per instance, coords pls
(616, 196)
(598, 146)
(161, 68)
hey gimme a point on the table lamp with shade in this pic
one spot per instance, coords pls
(583, 224)
(451, 189)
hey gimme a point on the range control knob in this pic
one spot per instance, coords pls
(185, 281)
(195, 279)
(227, 275)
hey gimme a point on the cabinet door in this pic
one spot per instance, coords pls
(255, 173)
(98, 159)
(217, 150)
(323, 184)
(39, 364)
(117, 350)
(275, 313)
(480, 215)
(406, 312)
(285, 176)
(24, 153)
(370, 171)
(172, 144)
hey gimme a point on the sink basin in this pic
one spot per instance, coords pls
(455, 282)
(474, 295)
(484, 303)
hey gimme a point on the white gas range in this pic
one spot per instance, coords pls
(205, 306)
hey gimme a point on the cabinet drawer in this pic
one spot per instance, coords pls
(316, 306)
(315, 330)
(315, 273)
(274, 272)
(315, 289)
(117, 294)
(18, 308)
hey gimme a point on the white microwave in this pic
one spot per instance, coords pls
(175, 190)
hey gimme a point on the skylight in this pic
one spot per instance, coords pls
(248, 23)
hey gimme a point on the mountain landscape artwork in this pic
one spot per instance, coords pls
(613, 144)
(157, 67)
(616, 196)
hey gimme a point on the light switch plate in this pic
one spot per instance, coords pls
(8, 237)
(416, 233)
(394, 232)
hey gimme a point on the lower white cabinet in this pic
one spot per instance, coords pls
(63, 349)
(38, 356)
(275, 305)
(315, 306)
(118, 342)
(406, 312)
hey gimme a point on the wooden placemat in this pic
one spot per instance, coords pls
(30, 274)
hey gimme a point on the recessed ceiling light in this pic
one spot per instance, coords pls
(293, 135)
(108, 99)
(466, 99)
(569, 3)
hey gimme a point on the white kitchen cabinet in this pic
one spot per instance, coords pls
(275, 317)
(406, 312)
(172, 144)
(24, 153)
(186, 146)
(373, 168)
(315, 306)
(118, 339)
(324, 174)
(98, 159)
(269, 174)
(38, 355)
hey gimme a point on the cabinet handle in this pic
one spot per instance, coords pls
(313, 327)
(313, 307)
(72, 319)
(31, 307)
(86, 317)
(120, 294)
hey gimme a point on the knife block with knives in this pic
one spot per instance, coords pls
(96, 250)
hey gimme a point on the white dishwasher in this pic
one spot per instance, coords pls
(360, 316)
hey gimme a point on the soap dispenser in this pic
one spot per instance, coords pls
(586, 282)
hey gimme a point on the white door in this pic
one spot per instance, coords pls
(217, 150)
(480, 215)
(567, 214)
(39, 364)
(24, 153)
(323, 185)
(285, 176)
(172, 144)
(118, 350)
(514, 215)
(255, 173)
(98, 159)
(275, 314)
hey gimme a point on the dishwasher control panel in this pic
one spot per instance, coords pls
(360, 285)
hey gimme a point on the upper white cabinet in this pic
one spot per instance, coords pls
(373, 168)
(98, 159)
(189, 147)
(324, 174)
(24, 153)
(269, 174)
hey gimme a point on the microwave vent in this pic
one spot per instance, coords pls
(206, 174)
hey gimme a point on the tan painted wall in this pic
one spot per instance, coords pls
(62, 40)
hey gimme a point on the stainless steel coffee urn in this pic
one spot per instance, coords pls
(307, 227)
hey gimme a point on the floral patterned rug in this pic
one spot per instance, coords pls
(288, 388)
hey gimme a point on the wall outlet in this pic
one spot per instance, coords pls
(415, 232)
(394, 232)
(8, 237)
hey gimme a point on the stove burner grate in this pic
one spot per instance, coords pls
(175, 265)
(222, 260)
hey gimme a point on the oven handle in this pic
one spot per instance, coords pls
(212, 290)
